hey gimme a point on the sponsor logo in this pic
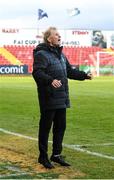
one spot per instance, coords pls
(14, 69)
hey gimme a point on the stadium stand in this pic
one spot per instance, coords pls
(23, 55)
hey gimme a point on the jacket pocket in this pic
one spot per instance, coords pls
(58, 92)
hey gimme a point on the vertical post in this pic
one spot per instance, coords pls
(97, 64)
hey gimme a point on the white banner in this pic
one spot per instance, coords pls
(28, 37)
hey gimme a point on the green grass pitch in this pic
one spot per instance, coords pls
(90, 121)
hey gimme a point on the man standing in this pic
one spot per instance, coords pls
(50, 72)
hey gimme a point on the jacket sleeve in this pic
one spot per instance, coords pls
(40, 65)
(75, 73)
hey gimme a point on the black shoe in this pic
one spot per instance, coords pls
(59, 159)
(45, 162)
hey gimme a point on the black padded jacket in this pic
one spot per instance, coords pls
(49, 64)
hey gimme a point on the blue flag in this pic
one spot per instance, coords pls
(41, 14)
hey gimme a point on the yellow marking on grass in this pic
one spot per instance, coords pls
(23, 153)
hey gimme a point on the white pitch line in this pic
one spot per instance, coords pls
(17, 134)
(90, 145)
(17, 171)
(13, 175)
(73, 147)
(88, 152)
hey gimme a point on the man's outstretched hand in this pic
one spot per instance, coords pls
(89, 76)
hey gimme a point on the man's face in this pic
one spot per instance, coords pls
(55, 38)
(97, 38)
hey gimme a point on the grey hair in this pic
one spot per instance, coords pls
(47, 33)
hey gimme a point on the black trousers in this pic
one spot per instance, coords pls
(57, 117)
